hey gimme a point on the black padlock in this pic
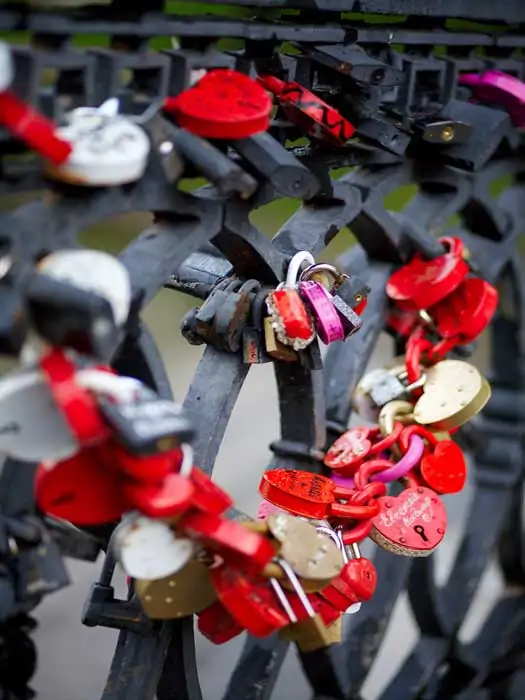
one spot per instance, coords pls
(352, 290)
(149, 425)
(39, 567)
(253, 340)
(230, 320)
(68, 317)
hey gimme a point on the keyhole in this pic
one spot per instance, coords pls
(421, 532)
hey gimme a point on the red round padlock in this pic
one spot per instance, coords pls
(236, 544)
(308, 111)
(467, 311)
(250, 602)
(311, 495)
(421, 283)
(350, 450)
(443, 467)
(224, 104)
(81, 490)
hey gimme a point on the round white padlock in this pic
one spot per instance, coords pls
(32, 428)
(149, 549)
(93, 271)
(108, 148)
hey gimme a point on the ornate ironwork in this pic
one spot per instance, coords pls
(199, 238)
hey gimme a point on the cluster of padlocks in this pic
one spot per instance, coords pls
(111, 452)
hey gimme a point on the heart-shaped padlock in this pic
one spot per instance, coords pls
(149, 549)
(81, 490)
(443, 466)
(412, 524)
(454, 392)
(224, 104)
(421, 283)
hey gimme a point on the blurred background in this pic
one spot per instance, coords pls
(74, 660)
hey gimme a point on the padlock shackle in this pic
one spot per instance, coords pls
(391, 413)
(332, 270)
(297, 588)
(294, 268)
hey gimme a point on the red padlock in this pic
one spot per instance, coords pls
(302, 107)
(83, 490)
(443, 468)
(350, 450)
(217, 625)
(467, 311)
(250, 602)
(77, 404)
(356, 583)
(326, 611)
(230, 540)
(168, 499)
(208, 497)
(224, 104)
(311, 495)
(421, 283)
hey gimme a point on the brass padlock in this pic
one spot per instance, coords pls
(188, 591)
(274, 348)
(313, 556)
(308, 634)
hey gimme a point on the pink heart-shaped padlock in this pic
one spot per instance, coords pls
(412, 524)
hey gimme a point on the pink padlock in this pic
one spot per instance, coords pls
(499, 88)
(319, 301)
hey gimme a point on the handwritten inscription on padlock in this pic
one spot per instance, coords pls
(412, 524)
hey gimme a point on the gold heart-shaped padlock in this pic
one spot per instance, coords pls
(454, 392)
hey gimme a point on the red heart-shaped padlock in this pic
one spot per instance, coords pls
(412, 524)
(445, 468)
(81, 490)
(422, 283)
(224, 104)
(466, 312)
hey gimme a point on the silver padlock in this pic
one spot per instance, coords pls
(379, 387)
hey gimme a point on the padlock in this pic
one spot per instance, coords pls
(466, 312)
(290, 318)
(253, 336)
(421, 283)
(313, 556)
(274, 347)
(327, 322)
(411, 524)
(224, 104)
(443, 468)
(347, 295)
(348, 452)
(148, 424)
(258, 605)
(230, 318)
(497, 88)
(381, 386)
(453, 393)
(187, 592)
(150, 549)
(108, 148)
(307, 630)
(208, 497)
(357, 581)
(40, 569)
(216, 624)
(311, 495)
(302, 107)
(230, 540)
(32, 427)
